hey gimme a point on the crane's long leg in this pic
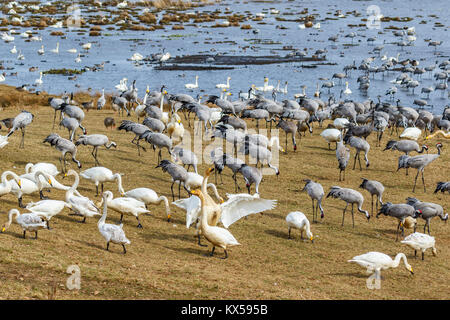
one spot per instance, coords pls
(343, 214)
(171, 188)
(371, 213)
(423, 181)
(353, 218)
(22, 142)
(354, 162)
(398, 228)
(359, 160)
(415, 180)
(313, 210)
(54, 119)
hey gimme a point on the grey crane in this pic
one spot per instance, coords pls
(203, 113)
(315, 192)
(409, 113)
(419, 163)
(137, 128)
(360, 145)
(256, 114)
(120, 103)
(157, 140)
(429, 210)
(235, 165)
(260, 153)
(88, 105)
(131, 94)
(154, 125)
(225, 105)
(288, 127)
(359, 131)
(399, 211)
(56, 104)
(235, 122)
(21, 121)
(349, 196)
(251, 175)
(70, 124)
(343, 156)
(65, 146)
(178, 173)
(442, 187)
(186, 157)
(328, 85)
(217, 159)
(375, 188)
(73, 112)
(405, 146)
(95, 140)
(7, 122)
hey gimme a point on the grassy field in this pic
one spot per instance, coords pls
(164, 260)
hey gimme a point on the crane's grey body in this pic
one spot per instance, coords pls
(21, 121)
(360, 145)
(235, 165)
(399, 211)
(154, 124)
(251, 175)
(187, 157)
(73, 112)
(349, 196)
(419, 163)
(429, 211)
(443, 186)
(315, 192)
(288, 127)
(158, 140)
(343, 156)
(137, 128)
(375, 188)
(65, 146)
(71, 124)
(178, 173)
(95, 140)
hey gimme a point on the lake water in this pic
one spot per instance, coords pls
(115, 47)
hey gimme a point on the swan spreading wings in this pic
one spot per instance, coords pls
(236, 207)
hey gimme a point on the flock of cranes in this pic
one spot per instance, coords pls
(352, 123)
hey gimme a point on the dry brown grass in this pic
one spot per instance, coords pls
(164, 261)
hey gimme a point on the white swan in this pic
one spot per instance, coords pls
(149, 196)
(39, 80)
(266, 87)
(47, 209)
(125, 205)
(298, 220)
(78, 58)
(420, 241)
(111, 232)
(102, 175)
(165, 115)
(122, 86)
(46, 167)
(46, 181)
(140, 109)
(223, 85)
(331, 135)
(347, 90)
(412, 133)
(3, 139)
(56, 50)
(192, 86)
(137, 57)
(13, 50)
(80, 205)
(72, 50)
(377, 261)
(219, 237)
(27, 186)
(5, 185)
(28, 222)
(86, 46)
(340, 123)
(175, 128)
(41, 51)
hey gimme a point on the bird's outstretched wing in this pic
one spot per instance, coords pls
(192, 206)
(241, 205)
